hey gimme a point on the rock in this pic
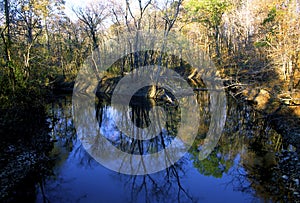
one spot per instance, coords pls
(285, 177)
(296, 110)
(295, 97)
(262, 99)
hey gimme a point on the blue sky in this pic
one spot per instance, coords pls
(70, 4)
(83, 3)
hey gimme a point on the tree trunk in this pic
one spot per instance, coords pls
(217, 44)
(7, 41)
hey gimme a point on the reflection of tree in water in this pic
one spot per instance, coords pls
(248, 151)
(139, 116)
(214, 165)
(164, 186)
(272, 173)
(63, 136)
(262, 169)
(220, 160)
(61, 123)
(66, 147)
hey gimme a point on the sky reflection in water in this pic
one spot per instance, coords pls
(79, 178)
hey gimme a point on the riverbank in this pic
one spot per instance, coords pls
(281, 110)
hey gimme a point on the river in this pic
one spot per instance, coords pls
(243, 167)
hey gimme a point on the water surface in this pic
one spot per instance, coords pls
(224, 176)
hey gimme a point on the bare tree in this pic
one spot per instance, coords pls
(93, 17)
(137, 19)
(170, 12)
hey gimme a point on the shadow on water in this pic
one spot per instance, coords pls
(248, 164)
(24, 153)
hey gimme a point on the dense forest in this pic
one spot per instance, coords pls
(254, 44)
